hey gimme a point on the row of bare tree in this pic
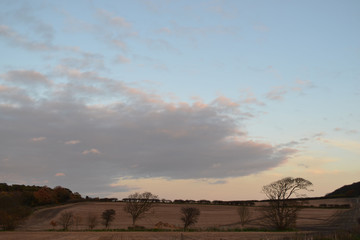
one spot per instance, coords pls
(137, 208)
(189, 216)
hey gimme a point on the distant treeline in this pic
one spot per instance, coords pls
(215, 202)
(176, 201)
(33, 196)
(180, 201)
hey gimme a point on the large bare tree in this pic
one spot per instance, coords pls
(138, 204)
(281, 213)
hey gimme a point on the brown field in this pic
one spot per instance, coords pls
(142, 236)
(212, 217)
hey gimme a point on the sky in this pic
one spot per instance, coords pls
(186, 99)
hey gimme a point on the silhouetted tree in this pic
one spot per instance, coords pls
(282, 211)
(244, 214)
(139, 204)
(108, 216)
(189, 216)
(66, 220)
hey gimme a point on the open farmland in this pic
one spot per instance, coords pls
(142, 235)
(219, 217)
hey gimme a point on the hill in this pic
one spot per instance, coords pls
(352, 190)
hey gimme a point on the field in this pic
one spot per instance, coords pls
(142, 236)
(213, 218)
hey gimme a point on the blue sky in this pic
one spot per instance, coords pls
(112, 97)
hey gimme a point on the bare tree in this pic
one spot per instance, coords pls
(138, 204)
(282, 210)
(66, 220)
(244, 214)
(92, 221)
(108, 216)
(189, 216)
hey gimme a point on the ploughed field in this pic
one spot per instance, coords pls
(167, 216)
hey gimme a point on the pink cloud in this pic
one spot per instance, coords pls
(224, 101)
(23, 41)
(119, 44)
(122, 59)
(26, 77)
(301, 85)
(38, 139)
(277, 93)
(165, 30)
(347, 131)
(91, 151)
(261, 27)
(72, 142)
(60, 174)
(114, 20)
(250, 98)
